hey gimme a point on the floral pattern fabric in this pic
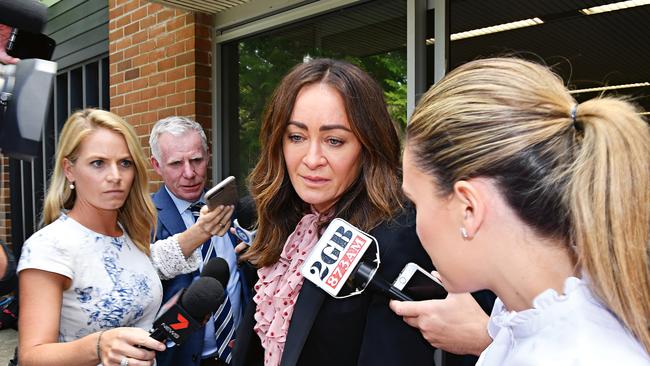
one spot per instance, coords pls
(113, 283)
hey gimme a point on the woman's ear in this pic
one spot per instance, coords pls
(471, 207)
(67, 170)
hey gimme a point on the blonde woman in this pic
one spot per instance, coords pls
(88, 289)
(521, 190)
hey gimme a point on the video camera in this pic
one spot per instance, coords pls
(26, 87)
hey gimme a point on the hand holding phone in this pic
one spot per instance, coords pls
(224, 193)
(419, 284)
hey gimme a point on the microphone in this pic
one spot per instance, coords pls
(29, 15)
(339, 255)
(218, 269)
(365, 276)
(246, 216)
(186, 311)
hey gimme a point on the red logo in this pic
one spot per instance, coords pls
(182, 323)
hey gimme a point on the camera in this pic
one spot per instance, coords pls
(26, 87)
(25, 93)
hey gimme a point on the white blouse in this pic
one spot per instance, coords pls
(570, 329)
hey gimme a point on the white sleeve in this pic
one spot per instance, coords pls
(45, 251)
(169, 261)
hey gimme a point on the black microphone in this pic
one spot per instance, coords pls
(218, 269)
(365, 275)
(29, 15)
(187, 310)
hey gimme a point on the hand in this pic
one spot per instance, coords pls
(456, 324)
(215, 222)
(132, 343)
(5, 33)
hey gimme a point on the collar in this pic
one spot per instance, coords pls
(182, 205)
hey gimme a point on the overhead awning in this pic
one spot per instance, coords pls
(204, 6)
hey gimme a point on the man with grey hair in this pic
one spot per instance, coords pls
(179, 151)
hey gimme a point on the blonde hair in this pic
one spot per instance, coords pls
(138, 215)
(579, 173)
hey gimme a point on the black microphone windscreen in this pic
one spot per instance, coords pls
(202, 297)
(246, 213)
(217, 268)
(29, 15)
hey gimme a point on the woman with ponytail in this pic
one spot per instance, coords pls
(521, 190)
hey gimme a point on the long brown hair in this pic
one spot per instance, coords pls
(374, 196)
(138, 215)
(577, 173)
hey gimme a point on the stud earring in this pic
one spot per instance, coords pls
(71, 186)
(463, 233)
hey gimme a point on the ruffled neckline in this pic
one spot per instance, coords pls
(545, 305)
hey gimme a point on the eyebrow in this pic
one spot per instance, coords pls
(322, 128)
(104, 157)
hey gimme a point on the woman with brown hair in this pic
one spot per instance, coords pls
(330, 150)
(521, 190)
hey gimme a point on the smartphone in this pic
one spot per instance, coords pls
(224, 193)
(419, 284)
(32, 45)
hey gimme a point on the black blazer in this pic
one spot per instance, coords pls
(361, 330)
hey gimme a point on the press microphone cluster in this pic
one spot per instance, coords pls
(189, 309)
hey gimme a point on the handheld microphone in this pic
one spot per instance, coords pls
(186, 311)
(218, 269)
(246, 216)
(365, 276)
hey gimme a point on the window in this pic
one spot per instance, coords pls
(371, 35)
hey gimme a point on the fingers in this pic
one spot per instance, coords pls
(240, 248)
(216, 221)
(411, 308)
(134, 344)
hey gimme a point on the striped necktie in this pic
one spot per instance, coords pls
(224, 322)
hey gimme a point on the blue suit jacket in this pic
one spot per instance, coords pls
(170, 222)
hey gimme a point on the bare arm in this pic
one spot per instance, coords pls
(41, 294)
(456, 324)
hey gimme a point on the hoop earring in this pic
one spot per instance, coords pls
(71, 186)
(463, 233)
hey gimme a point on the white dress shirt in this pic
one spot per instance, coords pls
(223, 248)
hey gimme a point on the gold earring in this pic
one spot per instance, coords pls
(463, 233)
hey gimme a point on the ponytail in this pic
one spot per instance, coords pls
(609, 200)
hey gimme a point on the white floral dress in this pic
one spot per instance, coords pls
(113, 285)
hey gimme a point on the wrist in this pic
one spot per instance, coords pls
(98, 347)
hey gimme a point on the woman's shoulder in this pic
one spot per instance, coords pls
(403, 221)
(399, 244)
(62, 232)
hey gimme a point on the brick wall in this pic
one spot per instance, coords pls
(5, 201)
(160, 61)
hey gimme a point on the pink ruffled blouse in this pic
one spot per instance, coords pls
(278, 288)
